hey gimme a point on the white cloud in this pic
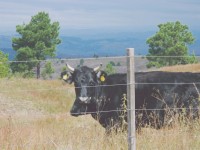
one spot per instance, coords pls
(78, 14)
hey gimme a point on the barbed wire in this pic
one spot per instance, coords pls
(126, 110)
(119, 110)
(148, 109)
(106, 85)
(96, 58)
(69, 59)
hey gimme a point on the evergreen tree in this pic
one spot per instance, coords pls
(37, 40)
(172, 39)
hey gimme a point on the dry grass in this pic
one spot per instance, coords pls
(64, 132)
(60, 132)
(51, 96)
(179, 137)
(34, 115)
(182, 68)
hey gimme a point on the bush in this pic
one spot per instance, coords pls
(109, 69)
(48, 70)
(4, 66)
(112, 63)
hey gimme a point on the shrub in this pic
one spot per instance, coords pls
(4, 66)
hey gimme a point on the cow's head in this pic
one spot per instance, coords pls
(86, 81)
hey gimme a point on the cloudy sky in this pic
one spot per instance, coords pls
(134, 15)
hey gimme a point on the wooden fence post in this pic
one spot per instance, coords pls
(131, 99)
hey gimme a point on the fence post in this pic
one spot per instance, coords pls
(131, 99)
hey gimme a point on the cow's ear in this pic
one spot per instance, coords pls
(101, 76)
(67, 76)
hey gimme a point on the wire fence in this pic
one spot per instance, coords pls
(105, 111)
(65, 88)
(91, 62)
(96, 58)
(120, 62)
(95, 86)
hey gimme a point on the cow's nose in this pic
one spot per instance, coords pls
(83, 98)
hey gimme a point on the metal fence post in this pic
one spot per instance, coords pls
(131, 99)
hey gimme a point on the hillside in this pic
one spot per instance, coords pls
(182, 68)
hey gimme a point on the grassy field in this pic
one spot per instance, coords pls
(34, 114)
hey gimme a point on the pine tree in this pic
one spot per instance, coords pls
(37, 40)
(172, 39)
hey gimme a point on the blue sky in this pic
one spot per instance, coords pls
(97, 15)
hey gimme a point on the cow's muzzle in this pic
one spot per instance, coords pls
(85, 100)
(78, 110)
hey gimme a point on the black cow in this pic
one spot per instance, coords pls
(157, 94)
(162, 95)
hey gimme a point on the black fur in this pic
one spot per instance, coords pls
(157, 95)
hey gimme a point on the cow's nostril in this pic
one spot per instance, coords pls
(83, 98)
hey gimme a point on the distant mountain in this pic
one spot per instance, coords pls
(114, 44)
(77, 47)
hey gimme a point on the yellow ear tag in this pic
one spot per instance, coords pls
(102, 78)
(65, 77)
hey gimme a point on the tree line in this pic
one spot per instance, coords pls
(37, 40)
